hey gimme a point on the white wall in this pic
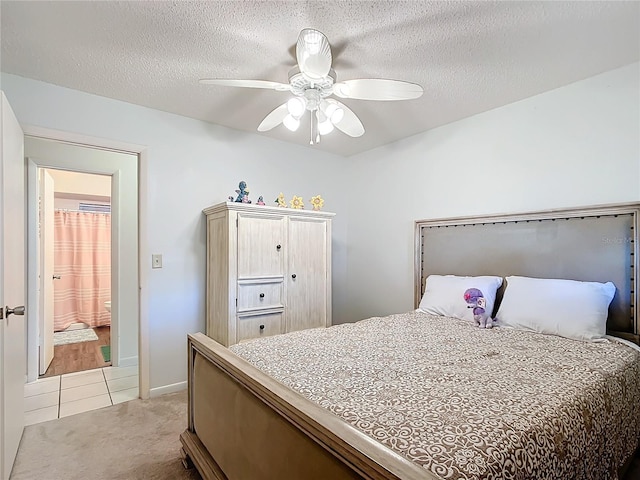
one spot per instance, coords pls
(191, 165)
(574, 146)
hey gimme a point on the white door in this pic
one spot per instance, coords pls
(12, 287)
(45, 327)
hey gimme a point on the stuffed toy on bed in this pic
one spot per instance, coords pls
(475, 299)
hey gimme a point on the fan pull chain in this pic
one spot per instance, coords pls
(315, 134)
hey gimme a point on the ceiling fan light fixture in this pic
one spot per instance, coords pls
(291, 122)
(296, 106)
(312, 81)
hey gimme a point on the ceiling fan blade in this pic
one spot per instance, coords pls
(281, 87)
(313, 53)
(350, 123)
(274, 118)
(377, 89)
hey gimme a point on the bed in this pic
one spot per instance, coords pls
(422, 395)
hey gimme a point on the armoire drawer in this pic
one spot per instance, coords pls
(258, 296)
(253, 326)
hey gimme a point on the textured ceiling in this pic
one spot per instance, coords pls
(469, 56)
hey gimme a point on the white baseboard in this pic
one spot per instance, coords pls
(175, 387)
(128, 361)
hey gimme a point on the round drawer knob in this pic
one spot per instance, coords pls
(293, 276)
(261, 327)
(262, 295)
(278, 247)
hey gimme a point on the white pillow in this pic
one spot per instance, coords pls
(568, 308)
(444, 295)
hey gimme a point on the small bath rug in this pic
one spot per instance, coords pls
(74, 336)
(106, 352)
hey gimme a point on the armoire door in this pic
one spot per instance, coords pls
(261, 244)
(307, 270)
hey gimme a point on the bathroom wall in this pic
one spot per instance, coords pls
(80, 184)
(73, 188)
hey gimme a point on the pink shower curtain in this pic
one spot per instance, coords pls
(82, 259)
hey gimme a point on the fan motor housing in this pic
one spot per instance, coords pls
(300, 83)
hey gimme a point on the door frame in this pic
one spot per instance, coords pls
(120, 147)
(46, 266)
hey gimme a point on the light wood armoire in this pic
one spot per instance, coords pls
(268, 271)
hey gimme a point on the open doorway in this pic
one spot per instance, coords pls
(126, 164)
(74, 271)
(122, 168)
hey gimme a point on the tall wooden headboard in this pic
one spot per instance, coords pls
(598, 243)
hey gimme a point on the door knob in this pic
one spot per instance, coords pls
(15, 311)
(56, 277)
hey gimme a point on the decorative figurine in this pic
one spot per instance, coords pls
(475, 299)
(243, 193)
(317, 202)
(280, 201)
(296, 202)
(260, 201)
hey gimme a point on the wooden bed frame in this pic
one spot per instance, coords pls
(244, 425)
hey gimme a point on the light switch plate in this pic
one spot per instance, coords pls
(156, 260)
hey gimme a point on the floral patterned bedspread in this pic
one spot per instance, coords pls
(465, 402)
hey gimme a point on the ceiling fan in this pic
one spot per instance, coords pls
(313, 82)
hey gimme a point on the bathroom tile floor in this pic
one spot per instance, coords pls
(63, 395)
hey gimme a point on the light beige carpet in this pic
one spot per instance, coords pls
(133, 440)
(137, 440)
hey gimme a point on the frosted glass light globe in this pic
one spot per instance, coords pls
(296, 106)
(334, 112)
(291, 123)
